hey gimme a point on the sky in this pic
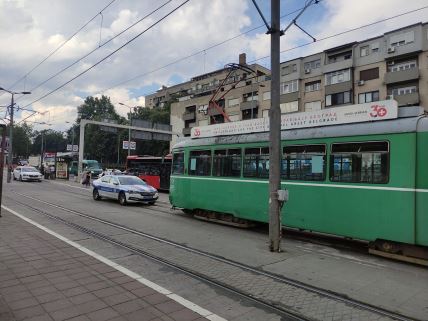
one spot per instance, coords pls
(30, 30)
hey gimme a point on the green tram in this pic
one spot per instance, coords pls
(366, 181)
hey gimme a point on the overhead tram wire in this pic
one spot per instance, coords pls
(286, 50)
(162, 67)
(62, 44)
(99, 47)
(345, 32)
(197, 52)
(108, 56)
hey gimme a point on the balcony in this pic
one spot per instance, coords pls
(189, 115)
(338, 88)
(401, 76)
(214, 111)
(249, 105)
(407, 99)
(286, 98)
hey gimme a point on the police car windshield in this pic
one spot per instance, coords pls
(131, 180)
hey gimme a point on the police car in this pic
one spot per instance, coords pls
(125, 189)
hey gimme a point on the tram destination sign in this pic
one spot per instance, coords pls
(375, 111)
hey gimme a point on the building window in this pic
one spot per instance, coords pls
(369, 74)
(401, 66)
(338, 99)
(251, 96)
(340, 56)
(368, 97)
(313, 106)
(375, 47)
(402, 39)
(314, 64)
(266, 95)
(256, 162)
(200, 163)
(313, 86)
(336, 77)
(364, 51)
(178, 163)
(360, 162)
(286, 70)
(249, 113)
(403, 90)
(289, 107)
(233, 102)
(303, 162)
(289, 87)
(227, 163)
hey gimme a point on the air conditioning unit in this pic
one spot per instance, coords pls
(391, 49)
(390, 63)
(360, 82)
(307, 71)
(390, 97)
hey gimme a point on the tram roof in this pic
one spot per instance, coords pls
(410, 119)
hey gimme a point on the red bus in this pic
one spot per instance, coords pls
(152, 169)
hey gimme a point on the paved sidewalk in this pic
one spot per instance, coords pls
(42, 278)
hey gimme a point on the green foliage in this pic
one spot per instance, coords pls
(53, 141)
(22, 135)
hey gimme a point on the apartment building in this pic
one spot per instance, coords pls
(245, 94)
(391, 66)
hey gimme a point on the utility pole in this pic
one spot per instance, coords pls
(10, 154)
(275, 132)
(3, 147)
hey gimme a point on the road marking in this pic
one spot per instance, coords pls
(397, 189)
(179, 299)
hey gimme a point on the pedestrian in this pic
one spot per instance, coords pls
(52, 171)
(88, 179)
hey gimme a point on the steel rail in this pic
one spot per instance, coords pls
(282, 279)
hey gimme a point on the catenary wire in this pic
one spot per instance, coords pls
(97, 48)
(62, 44)
(286, 50)
(106, 57)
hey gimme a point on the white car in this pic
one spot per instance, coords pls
(125, 189)
(27, 173)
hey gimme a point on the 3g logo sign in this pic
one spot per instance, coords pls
(378, 111)
(196, 132)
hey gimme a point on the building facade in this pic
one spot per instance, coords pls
(391, 66)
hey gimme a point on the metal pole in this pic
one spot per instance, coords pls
(41, 150)
(10, 155)
(83, 123)
(129, 132)
(275, 133)
(3, 145)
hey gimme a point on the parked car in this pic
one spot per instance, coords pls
(27, 173)
(125, 189)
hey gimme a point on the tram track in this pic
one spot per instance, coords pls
(292, 315)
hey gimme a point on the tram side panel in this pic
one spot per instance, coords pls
(359, 210)
(422, 188)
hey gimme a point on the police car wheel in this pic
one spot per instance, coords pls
(96, 194)
(122, 199)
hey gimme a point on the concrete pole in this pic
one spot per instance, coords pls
(81, 146)
(275, 133)
(129, 132)
(10, 155)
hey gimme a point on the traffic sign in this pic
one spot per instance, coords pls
(125, 145)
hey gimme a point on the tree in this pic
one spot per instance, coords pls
(22, 134)
(53, 141)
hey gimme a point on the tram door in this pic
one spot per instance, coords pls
(165, 172)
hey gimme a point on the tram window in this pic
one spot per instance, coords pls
(360, 162)
(178, 163)
(256, 162)
(200, 163)
(303, 162)
(227, 162)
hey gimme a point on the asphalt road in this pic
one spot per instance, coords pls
(391, 285)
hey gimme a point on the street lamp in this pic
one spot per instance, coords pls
(129, 129)
(10, 151)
